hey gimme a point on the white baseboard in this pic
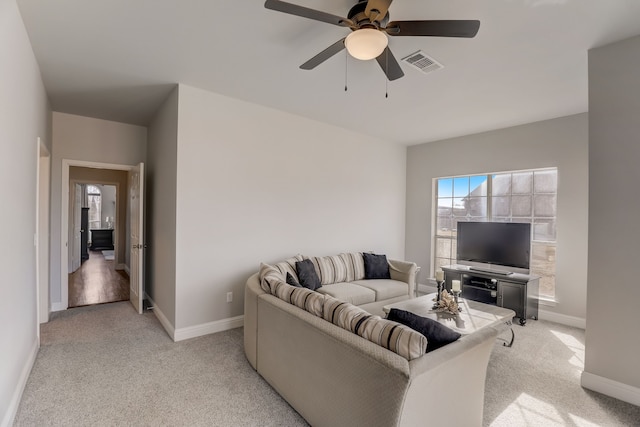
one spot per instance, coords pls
(12, 410)
(195, 331)
(563, 319)
(166, 324)
(57, 306)
(208, 328)
(611, 388)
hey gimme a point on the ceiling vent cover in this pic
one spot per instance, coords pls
(422, 62)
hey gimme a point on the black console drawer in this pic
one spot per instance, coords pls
(484, 295)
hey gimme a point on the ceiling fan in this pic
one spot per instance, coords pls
(369, 23)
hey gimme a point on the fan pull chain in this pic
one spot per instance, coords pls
(386, 79)
(346, 62)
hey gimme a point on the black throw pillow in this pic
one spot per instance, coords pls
(292, 281)
(376, 266)
(437, 334)
(307, 274)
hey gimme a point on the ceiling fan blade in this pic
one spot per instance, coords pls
(324, 55)
(389, 65)
(433, 28)
(305, 12)
(378, 7)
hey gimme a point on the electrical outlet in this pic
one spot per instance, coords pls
(229, 296)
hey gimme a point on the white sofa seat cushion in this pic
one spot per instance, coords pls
(349, 292)
(385, 288)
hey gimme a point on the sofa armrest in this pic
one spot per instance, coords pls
(251, 293)
(458, 369)
(404, 271)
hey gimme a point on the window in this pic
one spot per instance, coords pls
(522, 196)
(94, 199)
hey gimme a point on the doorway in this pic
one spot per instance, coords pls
(127, 221)
(95, 278)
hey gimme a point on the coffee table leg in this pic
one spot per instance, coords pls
(509, 343)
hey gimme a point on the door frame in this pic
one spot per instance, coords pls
(64, 226)
(42, 239)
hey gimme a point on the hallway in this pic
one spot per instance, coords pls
(97, 282)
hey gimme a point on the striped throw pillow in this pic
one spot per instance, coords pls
(341, 313)
(303, 298)
(268, 275)
(393, 336)
(355, 265)
(330, 269)
(289, 266)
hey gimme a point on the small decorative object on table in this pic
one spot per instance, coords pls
(440, 284)
(447, 303)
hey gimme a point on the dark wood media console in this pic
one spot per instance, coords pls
(101, 239)
(516, 291)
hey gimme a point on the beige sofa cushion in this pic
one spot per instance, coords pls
(349, 292)
(345, 267)
(268, 275)
(385, 288)
(391, 335)
(355, 265)
(330, 269)
(303, 298)
(289, 266)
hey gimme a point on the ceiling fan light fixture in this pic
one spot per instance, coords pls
(366, 43)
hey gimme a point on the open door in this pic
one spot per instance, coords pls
(76, 226)
(136, 206)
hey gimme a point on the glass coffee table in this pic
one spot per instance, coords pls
(473, 317)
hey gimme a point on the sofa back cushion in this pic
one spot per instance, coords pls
(345, 267)
(268, 275)
(289, 266)
(393, 336)
(340, 313)
(354, 264)
(301, 297)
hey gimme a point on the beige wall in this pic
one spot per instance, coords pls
(119, 179)
(560, 143)
(255, 184)
(613, 347)
(24, 116)
(85, 139)
(160, 280)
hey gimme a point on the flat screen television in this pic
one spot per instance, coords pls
(496, 243)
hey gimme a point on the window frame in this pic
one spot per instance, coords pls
(489, 179)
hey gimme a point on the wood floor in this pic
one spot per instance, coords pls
(97, 282)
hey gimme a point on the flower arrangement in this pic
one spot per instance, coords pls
(447, 303)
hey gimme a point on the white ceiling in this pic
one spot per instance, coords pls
(118, 60)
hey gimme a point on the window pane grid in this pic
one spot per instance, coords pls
(522, 196)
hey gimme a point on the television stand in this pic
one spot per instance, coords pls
(489, 271)
(516, 291)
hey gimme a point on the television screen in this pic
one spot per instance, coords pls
(500, 243)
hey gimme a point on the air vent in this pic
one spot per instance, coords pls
(422, 62)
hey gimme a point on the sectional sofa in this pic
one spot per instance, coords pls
(338, 365)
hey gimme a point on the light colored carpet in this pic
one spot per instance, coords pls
(109, 255)
(106, 365)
